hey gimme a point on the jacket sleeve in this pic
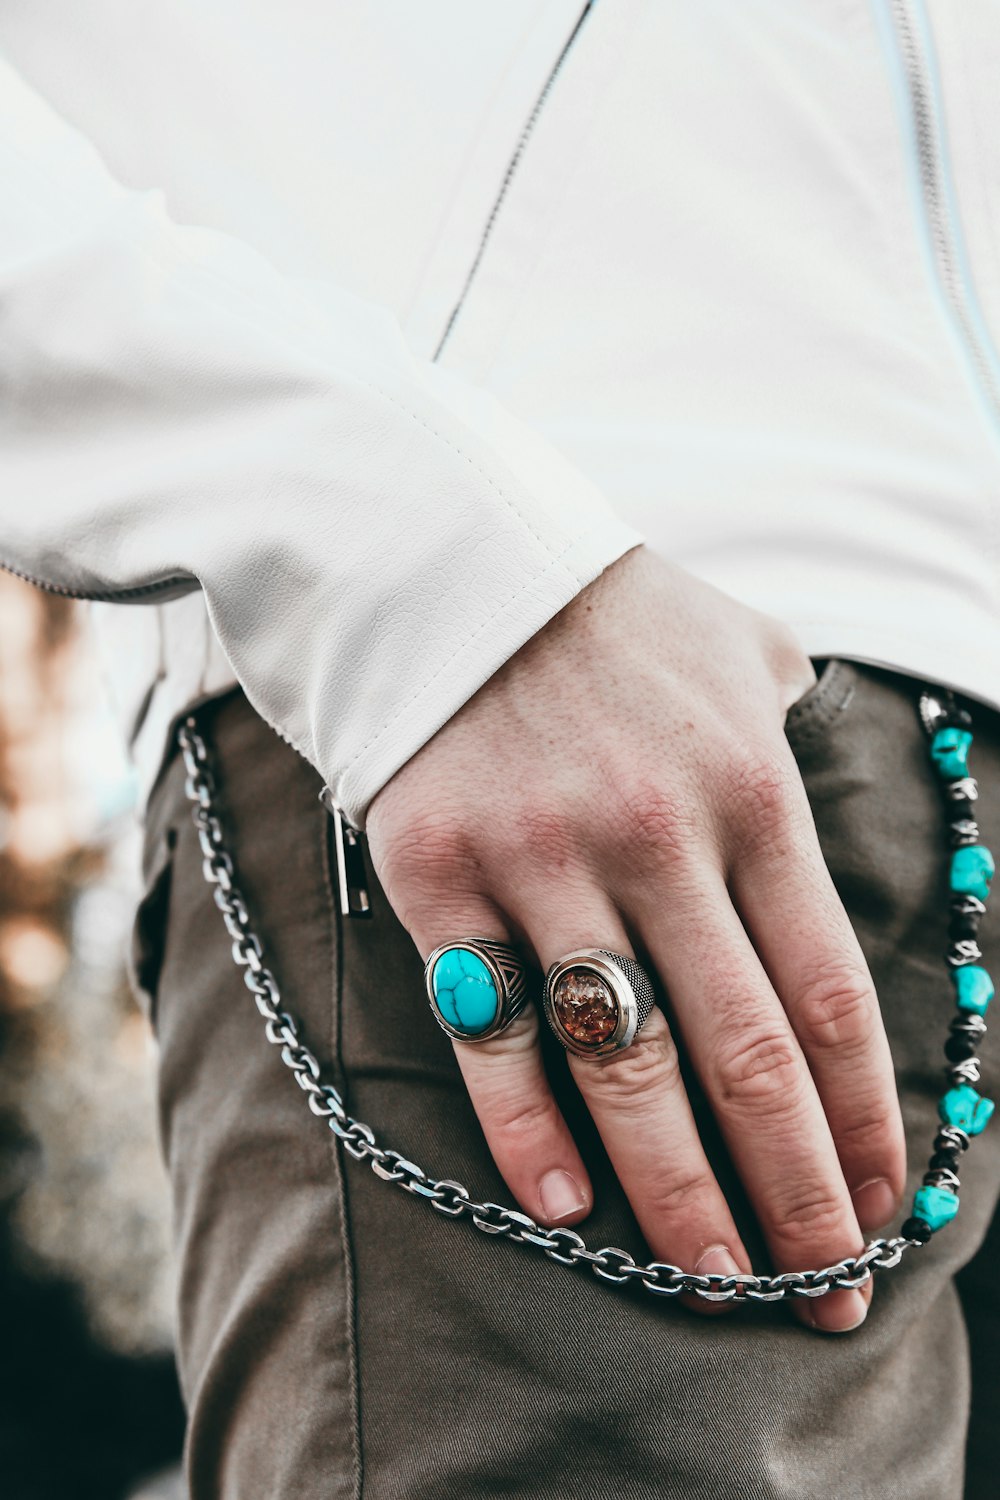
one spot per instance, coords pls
(373, 536)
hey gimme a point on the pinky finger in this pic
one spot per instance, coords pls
(528, 1138)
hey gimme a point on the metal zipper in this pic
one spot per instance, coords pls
(945, 232)
(512, 167)
(352, 889)
(108, 596)
(351, 883)
(351, 880)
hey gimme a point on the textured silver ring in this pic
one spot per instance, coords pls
(596, 1001)
(476, 987)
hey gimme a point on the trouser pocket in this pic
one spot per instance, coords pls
(149, 926)
(824, 706)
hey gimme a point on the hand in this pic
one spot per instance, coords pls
(624, 782)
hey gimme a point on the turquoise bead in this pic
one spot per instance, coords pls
(464, 991)
(974, 988)
(950, 753)
(972, 869)
(965, 1108)
(937, 1206)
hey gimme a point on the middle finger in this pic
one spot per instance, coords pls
(639, 1105)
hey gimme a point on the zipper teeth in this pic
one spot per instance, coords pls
(108, 596)
(944, 230)
(144, 591)
(512, 167)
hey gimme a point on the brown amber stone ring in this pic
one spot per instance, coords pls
(596, 1001)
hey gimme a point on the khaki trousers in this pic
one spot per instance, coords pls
(339, 1339)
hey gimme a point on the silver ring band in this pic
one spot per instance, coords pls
(476, 987)
(597, 1001)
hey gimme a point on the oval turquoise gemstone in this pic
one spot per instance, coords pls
(965, 1108)
(464, 991)
(937, 1206)
(972, 869)
(950, 753)
(974, 988)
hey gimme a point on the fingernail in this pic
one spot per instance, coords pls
(838, 1312)
(560, 1195)
(874, 1203)
(716, 1261)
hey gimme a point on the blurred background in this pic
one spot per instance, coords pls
(89, 1406)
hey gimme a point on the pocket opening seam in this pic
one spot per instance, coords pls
(830, 696)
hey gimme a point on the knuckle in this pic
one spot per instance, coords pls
(760, 790)
(812, 1215)
(681, 1196)
(650, 1065)
(539, 833)
(524, 1118)
(432, 852)
(874, 1132)
(655, 826)
(512, 1047)
(837, 1008)
(763, 1073)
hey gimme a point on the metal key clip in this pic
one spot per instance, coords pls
(353, 892)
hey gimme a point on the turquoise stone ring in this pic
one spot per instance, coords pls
(475, 987)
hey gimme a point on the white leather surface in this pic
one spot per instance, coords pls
(372, 537)
(704, 315)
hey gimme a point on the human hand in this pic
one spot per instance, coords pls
(624, 782)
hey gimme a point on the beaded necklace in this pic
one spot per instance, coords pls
(964, 1112)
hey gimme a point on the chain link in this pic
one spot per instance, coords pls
(562, 1246)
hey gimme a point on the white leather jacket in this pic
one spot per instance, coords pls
(353, 339)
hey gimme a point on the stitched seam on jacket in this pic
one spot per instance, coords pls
(213, 276)
(315, 350)
(210, 276)
(198, 269)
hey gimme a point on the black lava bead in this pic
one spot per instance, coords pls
(916, 1229)
(964, 924)
(944, 1161)
(958, 1047)
(943, 1143)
